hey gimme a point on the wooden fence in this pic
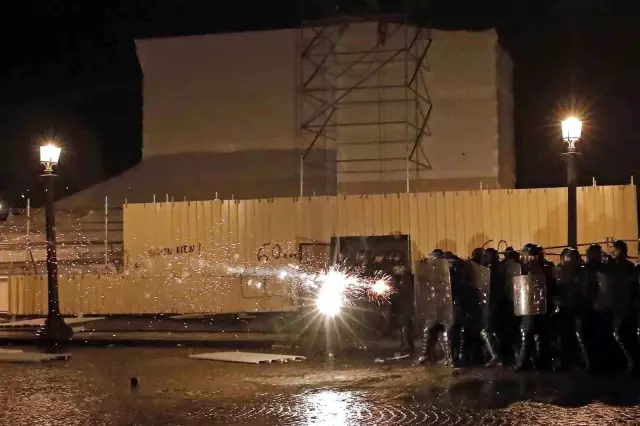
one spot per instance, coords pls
(184, 253)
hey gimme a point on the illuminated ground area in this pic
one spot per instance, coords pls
(93, 388)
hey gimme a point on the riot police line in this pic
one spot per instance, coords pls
(520, 310)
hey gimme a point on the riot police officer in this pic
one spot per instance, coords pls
(364, 263)
(593, 329)
(617, 298)
(428, 301)
(381, 263)
(571, 302)
(454, 335)
(636, 308)
(495, 306)
(402, 302)
(381, 267)
(482, 302)
(532, 303)
(508, 268)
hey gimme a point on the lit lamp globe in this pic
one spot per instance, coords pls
(49, 156)
(571, 130)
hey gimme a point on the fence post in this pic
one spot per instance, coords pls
(106, 233)
(26, 254)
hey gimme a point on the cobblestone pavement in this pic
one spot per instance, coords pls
(94, 389)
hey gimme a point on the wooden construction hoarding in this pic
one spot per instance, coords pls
(187, 256)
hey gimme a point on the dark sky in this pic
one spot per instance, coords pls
(70, 71)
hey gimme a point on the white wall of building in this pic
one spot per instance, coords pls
(229, 93)
(221, 118)
(218, 93)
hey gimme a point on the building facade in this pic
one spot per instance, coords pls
(270, 114)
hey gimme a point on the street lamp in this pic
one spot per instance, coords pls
(55, 330)
(571, 130)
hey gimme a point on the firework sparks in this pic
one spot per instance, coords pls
(205, 268)
(381, 288)
(338, 286)
(331, 295)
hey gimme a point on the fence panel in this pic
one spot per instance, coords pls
(184, 256)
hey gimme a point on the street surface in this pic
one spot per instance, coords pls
(94, 388)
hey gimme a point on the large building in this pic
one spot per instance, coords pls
(353, 108)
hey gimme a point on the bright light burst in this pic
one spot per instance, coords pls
(332, 292)
(336, 287)
(219, 266)
(381, 287)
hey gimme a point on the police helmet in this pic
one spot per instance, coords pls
(511, 253)
(477, 254)
(437, 253)
(491, 255)
(620, 249)
(569, 255)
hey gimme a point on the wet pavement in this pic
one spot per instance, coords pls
(94, 388)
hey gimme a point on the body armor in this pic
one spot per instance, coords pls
(615, 288)
(572, 292)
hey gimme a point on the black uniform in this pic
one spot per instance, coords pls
(452, 338)
(441, 306)
(369, 315)
(636, 309)
(615, 299)
(509, 323)
(535, 328)
(483, 304)
(402, 303)
(593, 331)
(571, 318)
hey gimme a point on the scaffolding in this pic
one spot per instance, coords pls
(363, 106)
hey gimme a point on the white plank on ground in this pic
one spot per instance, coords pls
(37, 322)
(10, 351)
(247, 357)
(30, 357)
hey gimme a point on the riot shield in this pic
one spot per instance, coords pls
(433, 291)
(529, 295)
(570, 285)
(512, 268)
(480, 282)
(443, 291)
(604, 300)
(614, 290)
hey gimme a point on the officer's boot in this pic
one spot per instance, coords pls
(461, 346)
(524, 353)
(429, 340)
(445, 343)
(539, 361)
(456, 336)
(625, 352)
(406, 339)
(489, 340)
(586, 362)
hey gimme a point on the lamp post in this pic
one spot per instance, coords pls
(571, 130)
(55, 330)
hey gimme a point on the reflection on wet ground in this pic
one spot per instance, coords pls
(94, 389)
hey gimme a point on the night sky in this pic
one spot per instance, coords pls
(70, 70)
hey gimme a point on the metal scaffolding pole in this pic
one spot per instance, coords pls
(362, 91)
